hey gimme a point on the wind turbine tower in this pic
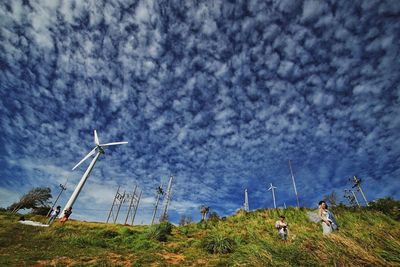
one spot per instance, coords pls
(246, 201)
(98, 150)
(272, 188)
(167, 198)
(294, 185)
(160, 192)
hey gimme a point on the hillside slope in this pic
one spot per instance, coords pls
(366, 238)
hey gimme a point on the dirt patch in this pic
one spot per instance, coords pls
(173, 258)
(116, 259)
(56, 261)
(112, 258)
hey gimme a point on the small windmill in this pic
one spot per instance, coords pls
(272, 189)
(246, 201)
(98, 150)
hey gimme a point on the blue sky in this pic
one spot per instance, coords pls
(220, 94)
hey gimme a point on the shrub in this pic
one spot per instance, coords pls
(160, 231)
(218, 243)
(106, 233)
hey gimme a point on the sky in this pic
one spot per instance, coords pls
(219, 94)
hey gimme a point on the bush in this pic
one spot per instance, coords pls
(387, 206)
(106, 233)
(160, 231)
(218, 243)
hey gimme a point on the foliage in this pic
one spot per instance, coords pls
(367, 237)
(36, 198)
(41, 210)
(331, 199)
(213, 217)
(160, 231)
(218, 243)
(387, 206)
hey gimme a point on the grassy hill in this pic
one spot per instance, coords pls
(366, 238)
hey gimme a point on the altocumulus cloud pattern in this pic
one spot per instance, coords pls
(218, 93)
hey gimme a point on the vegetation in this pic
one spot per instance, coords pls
(36, 199)
(367, 237)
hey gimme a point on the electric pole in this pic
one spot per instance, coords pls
(130, 204)
(164, 215)
(160, 192)
(117, 198)
(357, 183)
(294, 184)
(59, 194)
(136, 206)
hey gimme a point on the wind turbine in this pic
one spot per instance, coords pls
(98, 149)
(273, 193)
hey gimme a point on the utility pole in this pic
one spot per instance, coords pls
(355, 198)
(120, 198)
(59, 194)
(357, 183)
(351, 197)
(136, 206)
(130, 204)
(294, 184)
(273, 193)
(167, 198)
(159, 193)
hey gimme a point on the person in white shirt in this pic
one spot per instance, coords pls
(282, 227)
(54, 215)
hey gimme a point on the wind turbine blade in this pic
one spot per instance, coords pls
(96, 138)
(113, 144)
(85, 158)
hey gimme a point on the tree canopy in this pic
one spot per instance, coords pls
(37, 198)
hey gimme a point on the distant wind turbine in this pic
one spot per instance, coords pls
(99, 149)
(273, 193)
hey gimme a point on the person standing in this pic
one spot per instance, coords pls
(328, 221)
(282, 227)
(54, 215)
(67, 213)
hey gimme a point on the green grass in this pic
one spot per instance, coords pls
(365, 238)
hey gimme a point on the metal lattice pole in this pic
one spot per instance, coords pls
(55, 202)
(130, 204)
(167, 200)
(159, 193)
(115, 198)
(136, 206)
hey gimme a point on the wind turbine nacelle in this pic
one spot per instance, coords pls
(101, 150)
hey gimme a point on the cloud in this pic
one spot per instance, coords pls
(218, 94)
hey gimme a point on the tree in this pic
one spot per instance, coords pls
(213, 217)
(182, 220)
(331, 199)
(36, 199)
(388, 206)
